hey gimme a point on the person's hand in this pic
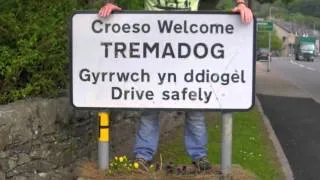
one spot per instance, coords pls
(245, 13)
(107, 9)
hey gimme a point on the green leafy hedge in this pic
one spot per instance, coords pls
(263, 41)
(33, 45)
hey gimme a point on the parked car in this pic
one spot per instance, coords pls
(263, 54)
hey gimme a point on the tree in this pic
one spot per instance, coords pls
(307, 7)
(208, 4)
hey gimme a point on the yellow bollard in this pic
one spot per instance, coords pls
(104, 127)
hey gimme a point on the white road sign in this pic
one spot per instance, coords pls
(162, 60)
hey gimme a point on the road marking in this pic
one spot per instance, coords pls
(292, 62)
(311, 69)
(302, 66)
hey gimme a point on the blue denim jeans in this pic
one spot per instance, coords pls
(147, 137)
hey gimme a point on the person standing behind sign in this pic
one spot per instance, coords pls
(195, 134)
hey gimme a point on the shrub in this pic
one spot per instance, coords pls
(33, 45)
(263, 41)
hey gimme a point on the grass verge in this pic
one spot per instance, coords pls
(252, 148)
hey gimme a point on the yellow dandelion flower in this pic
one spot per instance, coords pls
(121, 159)
(136, 165)
(116, 158)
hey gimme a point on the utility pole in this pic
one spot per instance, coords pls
(226, 146)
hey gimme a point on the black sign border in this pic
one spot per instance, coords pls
(160, 109)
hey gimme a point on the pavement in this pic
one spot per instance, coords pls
(271, 83)
(294, 114)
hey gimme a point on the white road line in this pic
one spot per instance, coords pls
(292, 62)
(302, 66)
(311, 69)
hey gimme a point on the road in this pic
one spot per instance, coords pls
(290, 97)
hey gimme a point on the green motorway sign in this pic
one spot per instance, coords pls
(264, 26)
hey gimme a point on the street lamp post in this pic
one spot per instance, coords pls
(270, 11)
(269, 43)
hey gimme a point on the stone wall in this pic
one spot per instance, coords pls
(44, 138)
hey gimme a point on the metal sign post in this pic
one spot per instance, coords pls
(103, 145)
(266, 26)
(226, 145)
(226, 139)
(269, 56)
